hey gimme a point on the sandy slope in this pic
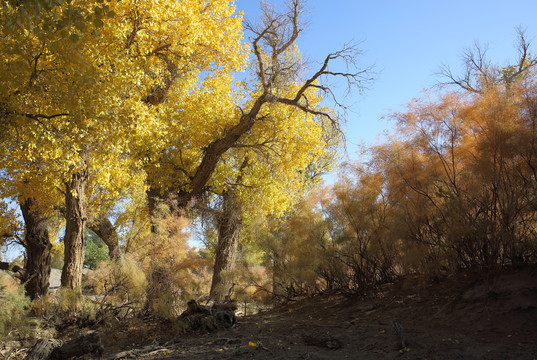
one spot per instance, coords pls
(459, 318)
(462, 317)
(56, 278)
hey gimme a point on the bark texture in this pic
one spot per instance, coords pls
(104, 229)
(42, 349)
(75, 222)
(36, 274)
(153, 199)
(81, 346)
(229, 227)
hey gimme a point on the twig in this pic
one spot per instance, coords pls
(267, 349)
(15, 353)
(400, 332)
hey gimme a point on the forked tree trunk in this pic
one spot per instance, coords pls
(229, 227)
(38, 246)
(104, 229)
(75, 222)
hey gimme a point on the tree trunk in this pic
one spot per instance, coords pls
(38, 246)
(229, 227)
(104, 229)
(278, 291)
(75, 222)
(153, 199)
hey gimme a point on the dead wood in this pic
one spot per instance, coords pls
(43, 349)
(85, 344)
(17, 271)
(199, 317)
(322, 341)
(400, 333)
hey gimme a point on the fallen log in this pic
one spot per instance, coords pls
(17, 271)
(199, 317)
(43, 348)
(51, 349)
(85, 344)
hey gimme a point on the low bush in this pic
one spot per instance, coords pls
(119, 288)
(13, 308)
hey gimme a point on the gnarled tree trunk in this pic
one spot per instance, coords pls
(36, 274)
(75, 222)
(104, 229)
(229, 227)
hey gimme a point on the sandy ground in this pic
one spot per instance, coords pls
(55, 279)
(460, 318)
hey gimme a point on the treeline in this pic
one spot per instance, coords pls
(124, 118)
(453, 189)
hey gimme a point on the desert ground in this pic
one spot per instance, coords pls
(460, 317)
(457, 318)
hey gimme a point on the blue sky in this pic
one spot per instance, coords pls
(407, 41)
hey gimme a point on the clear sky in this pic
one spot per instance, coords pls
(407, 41)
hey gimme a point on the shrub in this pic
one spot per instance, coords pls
(118, 288)
(75, 307)
(175, 272)
(13, 308)
(95, 250)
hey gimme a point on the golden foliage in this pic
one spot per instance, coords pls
(72, 103)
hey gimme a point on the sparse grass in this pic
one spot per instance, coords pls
(14, 309)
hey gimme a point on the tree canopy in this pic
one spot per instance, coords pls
(103, 100)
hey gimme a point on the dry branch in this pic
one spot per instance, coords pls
(400, 333)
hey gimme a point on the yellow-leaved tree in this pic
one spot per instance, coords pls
(253, 142)
(80, 96)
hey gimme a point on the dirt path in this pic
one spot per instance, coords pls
(55, 280)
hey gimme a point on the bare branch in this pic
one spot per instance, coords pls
(46, 117)
(526, 61)
(273, 37)
(476, 73)
(479, 74)
(277, 70)
(5, 114)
